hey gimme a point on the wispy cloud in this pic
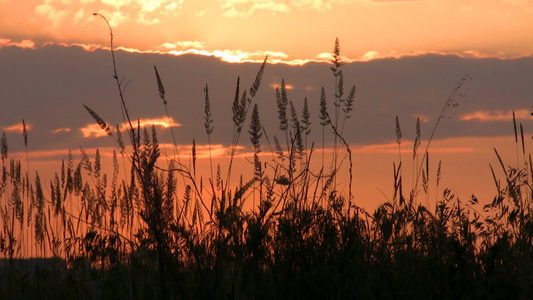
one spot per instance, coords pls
(245, 8)
(94, 131)
(407, 147)
(423, 118)
(374, 55)
(17, 127)
(182, 45)
(79, 15)
(278, 86)
(147, 12)
(52, 13)
(59, 130)
(495, 115)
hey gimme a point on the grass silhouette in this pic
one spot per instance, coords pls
(160, 232)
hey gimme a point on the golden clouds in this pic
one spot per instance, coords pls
(59, 13)
(298, 31)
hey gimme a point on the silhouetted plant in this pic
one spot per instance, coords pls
(135, 235)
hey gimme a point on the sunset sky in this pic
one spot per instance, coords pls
(405, 57)
(287, 30)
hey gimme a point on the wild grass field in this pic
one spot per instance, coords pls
(154, 228)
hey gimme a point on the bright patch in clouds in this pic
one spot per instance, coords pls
(52, 13)
(231, 56)
(17, 128)
(423, 119)
(205, 151)
(22, 44)
(277, 86)
(182, 45)
(59, 130)
(94, 130)
(392, 148)
(495, 115)
(148, 12)
(245, 8)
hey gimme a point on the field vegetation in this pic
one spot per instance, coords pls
(154, 229)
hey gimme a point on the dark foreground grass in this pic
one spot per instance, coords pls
(161, 233)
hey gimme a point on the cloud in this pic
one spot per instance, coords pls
(374, 55)
(235, 56)
(396, 0)
(145, 5)
(319, 5)
(183, 45)
(277, 86)
(173, 8)
(114, 17)
(205, 151)
(245, 8)
(423, 118)
(59, 130)
(94, 130)
(495, 115)
(370, 55)
(79, 15)
(196, 47)
(440, 146)
(25, 44)
(148, 12)
(52, 13)
(17, 128)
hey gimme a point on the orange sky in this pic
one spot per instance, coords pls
(287, 30)
(296, 32)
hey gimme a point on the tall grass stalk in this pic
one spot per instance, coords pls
(449, 104)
